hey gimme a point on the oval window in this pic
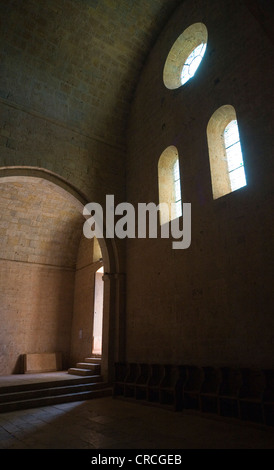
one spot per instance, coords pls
(192, 63)
(185, 56)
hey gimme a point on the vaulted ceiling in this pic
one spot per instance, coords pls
(77, 62)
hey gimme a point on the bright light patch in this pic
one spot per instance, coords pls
(234, 156)
(177, 189)
(192, 63)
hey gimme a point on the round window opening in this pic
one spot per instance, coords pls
(185, 56)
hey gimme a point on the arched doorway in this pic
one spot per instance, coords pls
(110, 339)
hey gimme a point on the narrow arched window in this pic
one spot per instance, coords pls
(169, 185)
(234, 155)
(225, 153)
(177, 189)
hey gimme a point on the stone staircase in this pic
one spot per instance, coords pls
(86, 384)
(90, 367)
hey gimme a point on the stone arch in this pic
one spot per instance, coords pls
(217, 156)
(113, 340)
(166, 183)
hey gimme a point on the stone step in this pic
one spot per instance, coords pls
(53, 400)
(88, 365)
(49, 384)
(80, 371)
(35, 394)
(49, 391)
(93, 360)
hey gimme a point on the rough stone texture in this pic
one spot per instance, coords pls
(69, 72)
(38, 225)
(36, 312)
(31, 140)
(40, 234)
(77, 61)
(212, 303)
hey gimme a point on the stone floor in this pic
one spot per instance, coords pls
(23, 379)
(108, 423)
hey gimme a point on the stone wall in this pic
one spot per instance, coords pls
(40, 234)
(30, 139)
(209, 304)
(62, 111)
(36, 312)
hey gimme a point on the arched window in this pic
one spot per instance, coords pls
(185, 56)
(225, 153)
(169, 184)
(177, 189)
(234, 156)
